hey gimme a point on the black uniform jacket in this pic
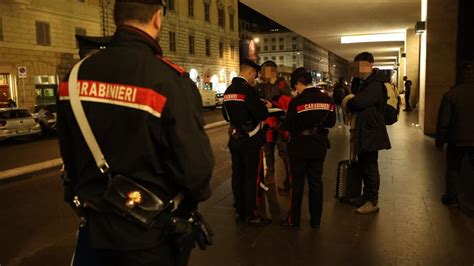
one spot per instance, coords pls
(146, 116)
(243, 107)
(455, 117)
(309, 110)
(368, 104)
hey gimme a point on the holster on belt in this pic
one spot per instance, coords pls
(241, 131)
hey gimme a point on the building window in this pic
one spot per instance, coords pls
(208, 47)
(282, 47)
(191, 8)
(294, 57)
(221, 49)
(232, 50)
(265, 48)
(274, 47)
(221, 14)
(273, 58)
(282, 57)
(81, 32)
(281, 39)
(294, 38)
(294, 46)
(265, 40)
(172, 40)
(265, 58)
(170, 5)
(273, 39)
(207, 12)
(258, 49)
(231, 22)
(191, 44)
(43, 34)
(1, 29)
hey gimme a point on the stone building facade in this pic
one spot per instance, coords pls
(203, 37)
(39, 36)
(290, 50)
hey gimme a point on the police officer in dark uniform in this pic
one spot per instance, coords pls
(146, 116)
(308, 117)
(245, 112)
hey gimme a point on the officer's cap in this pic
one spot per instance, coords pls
(250, 63)
(150, 2)
(300, 75)
(92, 42)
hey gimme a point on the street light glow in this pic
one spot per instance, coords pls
(256, 40)
(384, 37)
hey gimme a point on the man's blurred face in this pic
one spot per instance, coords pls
(268, 73)
(360, 69)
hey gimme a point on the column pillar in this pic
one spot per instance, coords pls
(412, 49)
(438, 58)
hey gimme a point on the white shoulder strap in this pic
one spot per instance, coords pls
(81, 119)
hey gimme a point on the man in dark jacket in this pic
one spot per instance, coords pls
(146, 117)
(455, 128)
(408, 85)
(246, 112)
(276, 91)
(370, 132)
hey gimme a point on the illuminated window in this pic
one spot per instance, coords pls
(191, 8)
(221, 16)
(221, 49)
(207, 12)
(208, 47)
(191, 44)
(43, 34)
(172, 41)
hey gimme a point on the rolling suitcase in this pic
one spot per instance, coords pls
(348, 181)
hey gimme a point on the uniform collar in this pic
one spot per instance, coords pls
(240, 77)
(128, 35)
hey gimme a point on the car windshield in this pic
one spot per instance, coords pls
(11, 114)
(50, 108)
(5, 114)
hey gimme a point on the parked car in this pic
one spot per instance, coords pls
(15, 122)
(46, 114)
(219, 99)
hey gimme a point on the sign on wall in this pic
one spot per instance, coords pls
(22, 72)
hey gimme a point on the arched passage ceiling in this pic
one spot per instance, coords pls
(325, 21)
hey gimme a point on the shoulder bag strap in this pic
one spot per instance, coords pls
(81, 119)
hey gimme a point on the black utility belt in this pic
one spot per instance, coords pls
(130, 200)
(309, 132)
(238, 132)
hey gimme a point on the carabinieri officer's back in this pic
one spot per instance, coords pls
(308, 117)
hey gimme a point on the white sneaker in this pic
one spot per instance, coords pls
(368, 207)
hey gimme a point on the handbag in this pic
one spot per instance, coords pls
(125, 196)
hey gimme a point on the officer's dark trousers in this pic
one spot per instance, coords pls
(170, 252)
(368, 163)
(247, 172)
(313, 170)
(165, 254)
(454, 157)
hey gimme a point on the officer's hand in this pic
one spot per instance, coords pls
(204, 232)
(268, 104)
